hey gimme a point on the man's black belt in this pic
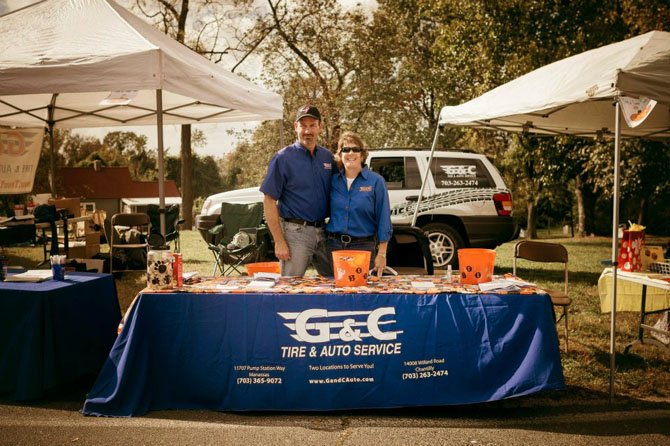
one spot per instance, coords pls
(300, 221)
(346, 238)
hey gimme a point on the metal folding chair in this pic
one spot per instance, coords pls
(550, 253)
(123, 224)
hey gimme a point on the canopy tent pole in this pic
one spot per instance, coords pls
(425, 175)
(52, 142)
(161, 174)
(615, 241)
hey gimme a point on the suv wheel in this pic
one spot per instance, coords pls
(445, 241)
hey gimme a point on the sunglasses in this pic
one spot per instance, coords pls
(351, 149)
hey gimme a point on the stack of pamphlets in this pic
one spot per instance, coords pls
(32, 275)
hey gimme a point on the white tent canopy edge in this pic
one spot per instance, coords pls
(581, 96)
(62, 58)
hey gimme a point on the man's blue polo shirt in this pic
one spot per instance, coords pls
(363, 210)
(300, 181)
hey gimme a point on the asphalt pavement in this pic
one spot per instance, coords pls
(572, 417)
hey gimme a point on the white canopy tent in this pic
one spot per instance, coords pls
(583, 95)
(92, 63)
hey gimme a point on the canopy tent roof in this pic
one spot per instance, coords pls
(75, 52)
(575, 95)
(582, 95)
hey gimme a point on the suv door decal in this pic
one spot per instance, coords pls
(459, 172)
(444, 199)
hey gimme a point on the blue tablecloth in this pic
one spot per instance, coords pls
(325, 352)
(54, 333)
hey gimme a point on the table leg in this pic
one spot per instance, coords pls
(66, 246)
(643, 314)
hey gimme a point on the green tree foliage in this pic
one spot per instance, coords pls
(386, 75)
(208, 181)
(247, 164)
(132, 148)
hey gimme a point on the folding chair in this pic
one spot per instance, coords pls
(128, 231)
(548, 253)
(408, 251)
(172, 222)
(239, 238)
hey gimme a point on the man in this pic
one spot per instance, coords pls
(297, 196)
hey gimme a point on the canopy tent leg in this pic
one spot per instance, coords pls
(425, 175)
(161, 173)
(51, 123)
(615, 243)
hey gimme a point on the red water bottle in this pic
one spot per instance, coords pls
(177, 269)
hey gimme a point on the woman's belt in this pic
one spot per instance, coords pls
(346, 238)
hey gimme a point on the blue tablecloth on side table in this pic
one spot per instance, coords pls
(54, 333)
(326, 352)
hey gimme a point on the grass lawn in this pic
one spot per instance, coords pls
(644, 373)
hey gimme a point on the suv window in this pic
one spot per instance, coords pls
(398, 172)
(459, 172)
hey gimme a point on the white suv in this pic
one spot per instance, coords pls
(465, 201)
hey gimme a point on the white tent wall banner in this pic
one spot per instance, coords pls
(59, 59)
(582, 95)
(19, 155)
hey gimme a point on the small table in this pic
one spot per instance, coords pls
(64, 222)
(639, 283)
(52, 334)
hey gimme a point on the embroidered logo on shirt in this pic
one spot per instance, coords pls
(327, 166)
(365, 189)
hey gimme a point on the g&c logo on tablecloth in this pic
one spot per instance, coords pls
(318, 325)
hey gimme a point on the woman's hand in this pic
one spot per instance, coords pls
(380, 264)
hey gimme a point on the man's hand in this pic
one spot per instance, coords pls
(272, 220)
(281, 250)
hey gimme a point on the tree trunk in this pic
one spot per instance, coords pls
(640, 214)
(186, 177)
(531, 230)
(581, 213)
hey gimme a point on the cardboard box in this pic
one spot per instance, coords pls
(92, 238)
(71, 204)
(650, 254)
(84, 251)
(92, 265)
(86, 248)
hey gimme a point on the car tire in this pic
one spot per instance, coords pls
(445, 241)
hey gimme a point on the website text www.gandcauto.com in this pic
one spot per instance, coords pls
(343, 379)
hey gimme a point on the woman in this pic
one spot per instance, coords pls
(360, 213)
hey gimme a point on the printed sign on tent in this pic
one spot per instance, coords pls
(19, 155)
(635, 110)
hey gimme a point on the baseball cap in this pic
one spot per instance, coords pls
(308, 110)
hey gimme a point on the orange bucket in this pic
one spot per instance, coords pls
(263, 267)
(476, 265)
(351, 267)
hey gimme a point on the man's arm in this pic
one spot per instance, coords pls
(272, 219)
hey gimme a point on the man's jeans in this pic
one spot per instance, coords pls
(307, 245)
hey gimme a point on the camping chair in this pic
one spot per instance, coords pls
(408, 251)
(172, 222)
(128, 231)
(239, 238)
(550, 253)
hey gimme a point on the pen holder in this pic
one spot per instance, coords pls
(58, 267)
